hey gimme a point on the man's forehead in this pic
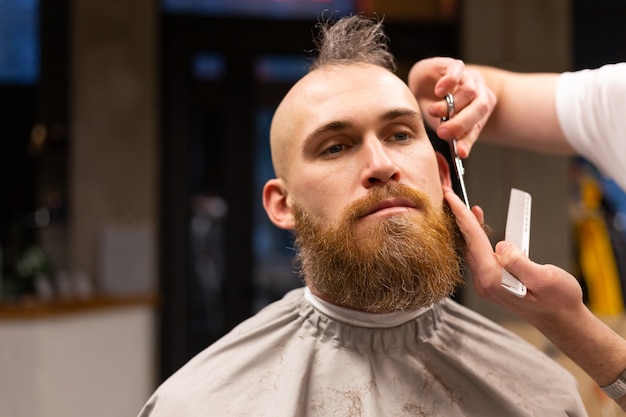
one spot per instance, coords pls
(364, 75)
(327, 86)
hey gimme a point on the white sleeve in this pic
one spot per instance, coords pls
(591, 108)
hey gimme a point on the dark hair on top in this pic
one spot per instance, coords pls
(353, 39)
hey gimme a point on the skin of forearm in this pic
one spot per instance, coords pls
(589, 342)
(525, 114)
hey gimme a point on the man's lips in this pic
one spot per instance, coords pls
(390, 203)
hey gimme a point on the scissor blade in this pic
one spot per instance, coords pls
(460, 171)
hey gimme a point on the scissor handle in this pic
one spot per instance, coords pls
(451, 110)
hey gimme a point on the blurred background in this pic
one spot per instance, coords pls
(133, 151)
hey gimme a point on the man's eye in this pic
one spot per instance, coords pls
(401, 136)
(334, 149)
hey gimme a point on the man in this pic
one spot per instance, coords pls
(374, 332)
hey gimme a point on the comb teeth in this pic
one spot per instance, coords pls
(512, 284)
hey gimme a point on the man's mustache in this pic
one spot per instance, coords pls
(376, 195)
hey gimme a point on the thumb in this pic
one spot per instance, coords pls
(513, 259)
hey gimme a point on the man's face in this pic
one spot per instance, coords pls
(346, 133)
(345, 129)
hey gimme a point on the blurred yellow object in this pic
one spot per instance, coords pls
(599, 268)
(597, 258)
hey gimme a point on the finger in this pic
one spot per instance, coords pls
(452, 75)
(470, 223)
(460, 129)
(480, 215)
(464, 122)
(516, 262)
(485, 270)
(435, 76)
(484, 105)
(439, 108)
(548, 286)
(465, 142)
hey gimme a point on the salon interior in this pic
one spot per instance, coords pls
(133, 151)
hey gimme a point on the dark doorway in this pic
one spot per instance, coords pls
(221, 260)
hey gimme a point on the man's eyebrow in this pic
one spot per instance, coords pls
(399, 112)
(334, 126)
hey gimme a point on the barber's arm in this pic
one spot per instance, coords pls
(503, 107)
(553, 303)
(525, 115)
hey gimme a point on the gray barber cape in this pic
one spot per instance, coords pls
(292, 360)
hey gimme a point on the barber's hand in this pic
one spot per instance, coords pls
(432, 79)
(552, 292)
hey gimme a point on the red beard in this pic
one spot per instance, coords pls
(404, 262)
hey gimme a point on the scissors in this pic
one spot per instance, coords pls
(458, 164)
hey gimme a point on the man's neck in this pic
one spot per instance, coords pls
(361, 318)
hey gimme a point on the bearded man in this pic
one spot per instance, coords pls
(374, 331)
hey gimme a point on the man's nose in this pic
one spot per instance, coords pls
(379, 167)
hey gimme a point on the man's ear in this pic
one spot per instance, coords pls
(276, 205)
(444, 169)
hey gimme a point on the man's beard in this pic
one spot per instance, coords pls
(403, 262)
